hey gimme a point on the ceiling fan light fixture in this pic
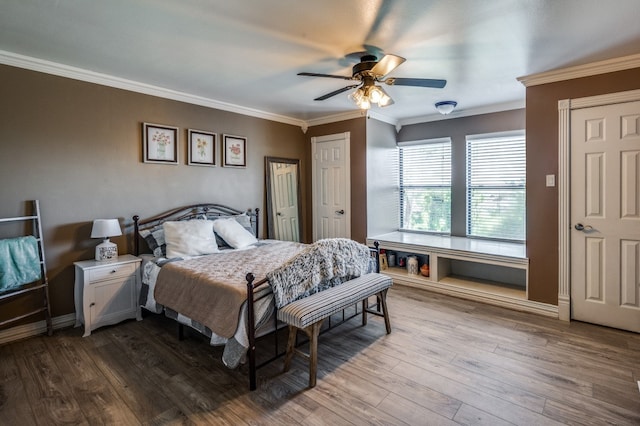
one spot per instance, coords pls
(385, 101)
(363, 97)
(375, 94)
(446, 107)
(364, 104)
(360, 98)
(370, 71)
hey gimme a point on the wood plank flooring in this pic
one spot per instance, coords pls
(447, 362)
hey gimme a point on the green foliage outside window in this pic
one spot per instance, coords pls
(427, 209)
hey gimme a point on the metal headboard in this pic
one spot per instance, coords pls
(196, 211)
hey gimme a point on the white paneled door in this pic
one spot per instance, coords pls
(605, 215)
(331, 186)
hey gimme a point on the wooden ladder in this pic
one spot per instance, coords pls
(43, 284)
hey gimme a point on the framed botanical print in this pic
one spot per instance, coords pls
(234, 151)
(159, 143)
(202, 148)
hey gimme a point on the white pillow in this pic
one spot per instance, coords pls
(233, 233)
(189, 238)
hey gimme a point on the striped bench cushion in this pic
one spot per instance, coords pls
(308, 310)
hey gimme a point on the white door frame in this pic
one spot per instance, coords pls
(347, 173)
(564, 186)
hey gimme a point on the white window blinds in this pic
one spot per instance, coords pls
(496, 186)
(425, 185)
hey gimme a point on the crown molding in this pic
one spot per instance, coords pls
(53, 68)
(349, 115)
(381, 117)
(505, 106)
(48, 67)
(586, 70)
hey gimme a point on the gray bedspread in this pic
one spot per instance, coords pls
(211, 289)
(320, 265)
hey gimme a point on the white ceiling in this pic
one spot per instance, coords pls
(247, 53)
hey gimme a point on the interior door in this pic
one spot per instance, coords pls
(605, 215)
(331, 187)
(285, 198)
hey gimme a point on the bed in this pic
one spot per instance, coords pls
(206, 263)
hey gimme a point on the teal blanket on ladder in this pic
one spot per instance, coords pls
(19, 262)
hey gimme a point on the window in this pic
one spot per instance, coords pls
(496, 186)
(425, 185)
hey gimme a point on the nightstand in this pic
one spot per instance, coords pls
(107, 292)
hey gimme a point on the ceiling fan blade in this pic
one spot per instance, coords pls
(336, 92)
(387, 64)
(313, 74)
(418, 82)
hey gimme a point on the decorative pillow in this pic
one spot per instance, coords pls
(154, 238)
(189, 238)
(233, 233)
(243, 220)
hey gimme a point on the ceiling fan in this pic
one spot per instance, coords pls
(368, 72)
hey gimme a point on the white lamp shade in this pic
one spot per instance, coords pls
(105, 228)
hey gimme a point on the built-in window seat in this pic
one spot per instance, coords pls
(493, 272)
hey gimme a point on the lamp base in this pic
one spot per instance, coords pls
(106, 251)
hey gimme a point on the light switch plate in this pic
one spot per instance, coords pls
(551, 180)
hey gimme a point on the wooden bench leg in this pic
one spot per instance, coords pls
(313, 353)
(382, 297)
(313, 331)
(291, 347)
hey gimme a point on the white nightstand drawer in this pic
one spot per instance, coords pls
(112, 271)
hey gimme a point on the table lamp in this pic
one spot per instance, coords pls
(105, 228)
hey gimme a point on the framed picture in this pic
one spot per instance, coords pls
(234, 151)
(202, 148)
(159, 143)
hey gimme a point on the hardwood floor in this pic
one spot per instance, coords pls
(447, 361)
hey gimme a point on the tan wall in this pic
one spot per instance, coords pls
(358, 152)
(77, 148)
(542, 158)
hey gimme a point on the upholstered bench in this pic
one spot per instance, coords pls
(308, 313)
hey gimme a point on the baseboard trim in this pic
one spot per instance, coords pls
(35, 328)
(564, 308)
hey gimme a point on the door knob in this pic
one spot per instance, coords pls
(339, 211)
(278, 214)
(581, 227)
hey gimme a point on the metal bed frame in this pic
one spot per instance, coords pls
(214, 211)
